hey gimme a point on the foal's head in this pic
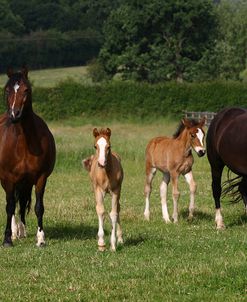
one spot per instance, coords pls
(196, 134)
(102, 145)
(18, 94)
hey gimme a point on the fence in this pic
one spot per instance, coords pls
(198, 115)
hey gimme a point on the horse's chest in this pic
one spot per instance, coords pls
(185, 165)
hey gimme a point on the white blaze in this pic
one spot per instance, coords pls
(102, 143)
(200, 136)
(16, 87)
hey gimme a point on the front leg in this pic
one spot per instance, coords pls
(175, 197)
(10, 210)
(39, 209)
(100, 212)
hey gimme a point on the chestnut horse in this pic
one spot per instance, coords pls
(173, 156)
(106, 175)
(227, 146)
(27, 156)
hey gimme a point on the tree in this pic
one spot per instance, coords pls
(231, 47)
(8, 20)
(158, 40)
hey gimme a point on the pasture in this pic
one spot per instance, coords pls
(51, 77)
(188, 261)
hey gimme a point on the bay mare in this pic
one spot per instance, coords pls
(106, 174)
(227, 146)
(173, 157)
(27, 156)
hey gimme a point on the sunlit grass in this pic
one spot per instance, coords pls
(51, 77)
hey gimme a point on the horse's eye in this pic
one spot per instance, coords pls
(193, 135)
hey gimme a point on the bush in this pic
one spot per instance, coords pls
(121, 100)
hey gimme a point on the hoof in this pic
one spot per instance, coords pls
(101, 248)
(41, 244)
(120, 241)
(220, 227)
(8, 244)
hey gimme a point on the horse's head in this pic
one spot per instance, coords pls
(18, 94)
(196, 134)
(102, 145)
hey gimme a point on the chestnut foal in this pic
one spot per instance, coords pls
(173, 156)
(106, 175)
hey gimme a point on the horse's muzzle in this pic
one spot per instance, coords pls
(201, 153)
(15, 115)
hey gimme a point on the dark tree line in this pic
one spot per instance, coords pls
(151, 40)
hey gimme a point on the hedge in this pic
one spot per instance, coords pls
(118, 99)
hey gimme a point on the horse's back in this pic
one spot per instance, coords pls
(227, 139)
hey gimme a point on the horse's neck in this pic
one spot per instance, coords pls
(184, 141)
(109, 162)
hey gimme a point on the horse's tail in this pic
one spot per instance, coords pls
(231, 187)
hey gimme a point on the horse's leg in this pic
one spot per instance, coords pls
(39, 209)
(25, 201)
(175, 196)
(216, 187)
(243, 191)
(100, 212)
(10, 210)
(190, 180)
(14, 228)
(150, 172)
(163, 196)
(114, 214)
(119, 228)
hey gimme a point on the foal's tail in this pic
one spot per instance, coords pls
(232, 187)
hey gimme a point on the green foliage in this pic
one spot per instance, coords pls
(96, 71)
(156, 40)
(121, 100)
(230, 48)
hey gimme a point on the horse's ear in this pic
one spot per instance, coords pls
(95, 132)
(202, 121)
(24, 71)
(186, 122)
(10, 71)
(108, 132)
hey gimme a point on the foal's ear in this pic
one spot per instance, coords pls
(24, 71)
(10, 72)
(202, 121)
(95, 132)
(108, 132)
(186, 122)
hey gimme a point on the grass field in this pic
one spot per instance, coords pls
(189, 261)
(50, 77)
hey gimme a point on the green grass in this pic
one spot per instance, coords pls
(51, 77)
(189, 261)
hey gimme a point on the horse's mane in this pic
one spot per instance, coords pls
(181, 127)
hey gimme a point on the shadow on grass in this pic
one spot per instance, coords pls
(240, 221)
(70, 232)
(134, 241)
(198, 215)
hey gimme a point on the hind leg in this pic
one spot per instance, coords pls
(216, 187)
(39, 209)
(243, 191)
(25, 202)
(163, 196)
(150, 173)
(190, 180)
